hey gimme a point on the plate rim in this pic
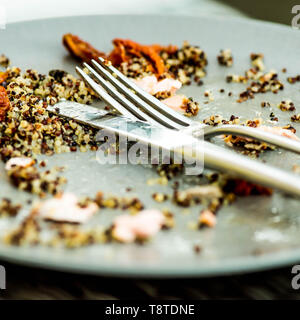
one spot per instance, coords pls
(247, 20)
(234, 266)
(239, 265)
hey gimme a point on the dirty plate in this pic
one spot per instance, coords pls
(253, 234)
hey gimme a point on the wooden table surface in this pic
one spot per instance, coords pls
(29, 283)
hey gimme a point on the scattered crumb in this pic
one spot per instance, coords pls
(265, 104)
(225, 58)
(4, 61)
(208, 94)
(257, 61)
(8, 209)
(197, 249)
(295, 118)
(159, 197)
(293, 80)
(286, 105)
(30, 179)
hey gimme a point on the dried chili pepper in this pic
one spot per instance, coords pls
(4, 103)
(80, 49)
(125, 48)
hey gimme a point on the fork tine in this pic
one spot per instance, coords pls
(152, 101)
(104, 95)
(158, 116)
(120, 98)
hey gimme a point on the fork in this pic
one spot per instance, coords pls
(137, 105)
(130, 100)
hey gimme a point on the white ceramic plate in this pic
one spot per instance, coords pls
(268, 226)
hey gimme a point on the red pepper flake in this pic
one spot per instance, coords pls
(244, 188)
(4, 103)
(3, 76)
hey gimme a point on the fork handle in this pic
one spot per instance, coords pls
(229, 162)
(254, 133)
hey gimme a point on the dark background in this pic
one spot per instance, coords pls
(270, 10)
